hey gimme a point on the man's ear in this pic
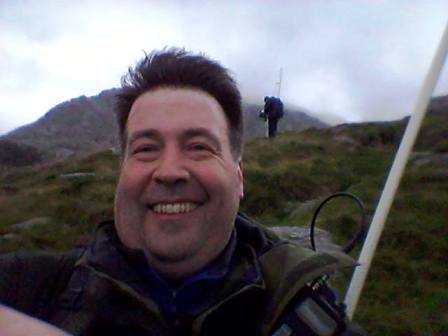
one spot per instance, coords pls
(240, 178)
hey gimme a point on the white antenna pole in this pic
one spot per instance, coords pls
(279, 83)
(387, 196)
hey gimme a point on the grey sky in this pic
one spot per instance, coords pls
(352, 60)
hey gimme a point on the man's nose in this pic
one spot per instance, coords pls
(171, 168)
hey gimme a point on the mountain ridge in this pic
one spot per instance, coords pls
(84, 125)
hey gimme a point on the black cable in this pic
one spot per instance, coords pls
(362, 226)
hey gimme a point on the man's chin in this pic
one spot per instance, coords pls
(171, 252)
(170, 232)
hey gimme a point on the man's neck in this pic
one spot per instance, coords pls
(174, 273)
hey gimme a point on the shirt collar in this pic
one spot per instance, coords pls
(195, 292)
(215, 270)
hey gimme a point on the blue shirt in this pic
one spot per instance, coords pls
(192, 296)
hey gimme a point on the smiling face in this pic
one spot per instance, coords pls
(179, 187)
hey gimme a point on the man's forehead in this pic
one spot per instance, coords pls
(176, 111)
(153, 133)
(191, 106)
(170, 95)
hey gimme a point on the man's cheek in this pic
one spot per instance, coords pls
(130, 186)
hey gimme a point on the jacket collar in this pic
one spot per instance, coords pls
(120, 267)
(264, 262)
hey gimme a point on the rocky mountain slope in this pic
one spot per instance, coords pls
(75, 128)
(86, 125)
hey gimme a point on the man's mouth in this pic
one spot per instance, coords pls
(173, 208)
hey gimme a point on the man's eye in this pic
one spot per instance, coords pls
(199, 147)
(145, 149)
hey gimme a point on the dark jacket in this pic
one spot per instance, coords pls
(273, 108)
(99, 291)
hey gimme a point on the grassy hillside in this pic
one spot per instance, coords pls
(50, 208)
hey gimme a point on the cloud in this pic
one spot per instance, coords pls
(352, 60)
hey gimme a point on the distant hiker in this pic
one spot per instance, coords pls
(272, 112)
(178, 258)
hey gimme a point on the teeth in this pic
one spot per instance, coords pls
(173, 208)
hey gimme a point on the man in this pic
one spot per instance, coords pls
(272, 112)
(178, 259)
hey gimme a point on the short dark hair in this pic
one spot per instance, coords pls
(178, 68)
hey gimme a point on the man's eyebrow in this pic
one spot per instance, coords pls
(203, 132)
(147, 133)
